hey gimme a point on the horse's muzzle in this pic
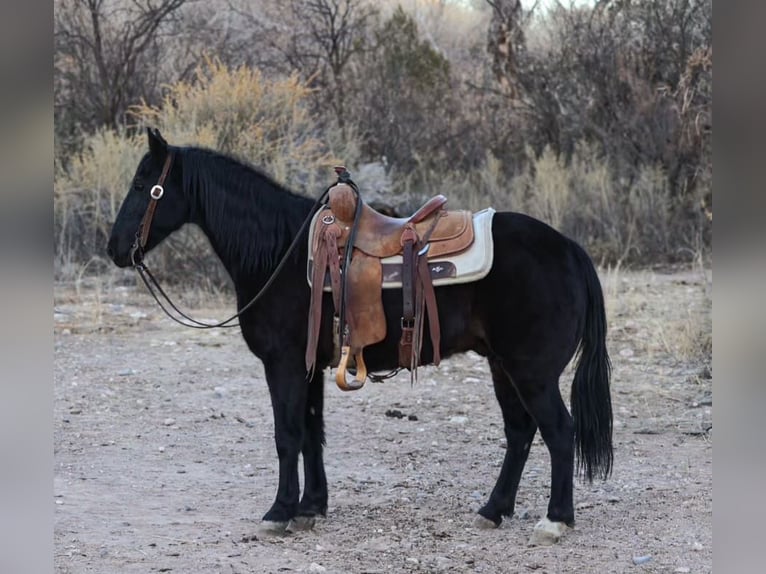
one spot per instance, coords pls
(121, 260)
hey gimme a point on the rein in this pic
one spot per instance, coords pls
(153, 286)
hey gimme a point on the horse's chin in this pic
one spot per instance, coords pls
(121, 261)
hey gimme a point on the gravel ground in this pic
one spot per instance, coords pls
(164, 455)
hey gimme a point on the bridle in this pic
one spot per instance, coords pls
(155, 194)
(142, 235)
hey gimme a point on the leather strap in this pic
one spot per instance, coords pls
(409, 241)
(429, 295)
(326, 256)
(417, 292)
(347, 255)
(155, 194)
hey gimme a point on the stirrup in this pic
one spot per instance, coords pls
(340, 375)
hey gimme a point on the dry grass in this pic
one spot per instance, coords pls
(680, 328)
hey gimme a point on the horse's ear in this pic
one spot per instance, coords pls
(157, 144)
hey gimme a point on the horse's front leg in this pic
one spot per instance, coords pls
(288, 387)
(314, 500)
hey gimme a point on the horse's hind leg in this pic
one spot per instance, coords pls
(542, 399)
(314, 499)
(520, 429)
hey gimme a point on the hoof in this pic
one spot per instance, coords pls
(483, 523)
(271, 528)
(547, 533)
(301, 524)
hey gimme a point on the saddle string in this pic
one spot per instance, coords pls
(187, 321)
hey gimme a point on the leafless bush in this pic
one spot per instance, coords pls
(108, 55)
(629, 81)
(595, 118)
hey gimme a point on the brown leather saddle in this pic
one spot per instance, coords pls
(359, 315)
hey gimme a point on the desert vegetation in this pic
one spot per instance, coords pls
(595, 117)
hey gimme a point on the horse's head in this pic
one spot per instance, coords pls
(154, 207)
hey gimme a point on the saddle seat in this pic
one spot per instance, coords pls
(380, 235)
(377, 234)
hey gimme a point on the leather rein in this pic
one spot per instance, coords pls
(153, 286)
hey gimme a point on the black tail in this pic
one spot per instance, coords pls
(591, 403)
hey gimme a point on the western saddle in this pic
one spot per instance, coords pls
(356, 276)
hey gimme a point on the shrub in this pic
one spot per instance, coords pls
(237, 111)
(617, 221)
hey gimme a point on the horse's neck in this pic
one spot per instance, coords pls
(249, 221)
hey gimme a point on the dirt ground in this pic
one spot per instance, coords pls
(165, 462)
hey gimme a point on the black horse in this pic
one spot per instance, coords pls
(539, 305)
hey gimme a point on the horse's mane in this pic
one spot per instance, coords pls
(249, 218)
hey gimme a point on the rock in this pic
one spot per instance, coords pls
(169, 422)
(626, 352)
(547, 533)
(395, 413)
(459, 420)
(314, 567)
(270, 529)
(524, 514)
(704, 400)
(697, 547)
(300, 524)
(682, 570)
(412, 417)
(483, 523)
(637, 560)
